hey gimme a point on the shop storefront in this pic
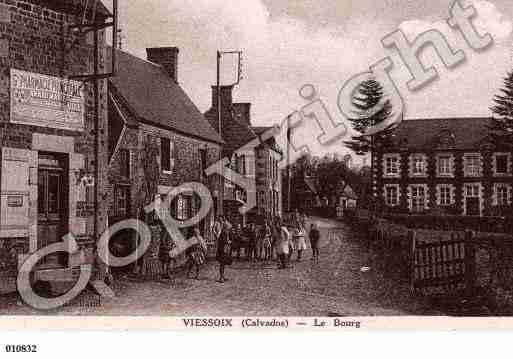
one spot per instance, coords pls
(47, 163)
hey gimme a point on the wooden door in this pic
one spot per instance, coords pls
(473, 206)
(472, 201)
(52, 208)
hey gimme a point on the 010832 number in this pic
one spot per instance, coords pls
(21, 348)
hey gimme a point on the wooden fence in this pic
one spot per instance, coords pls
(438, 263)
(444, 266)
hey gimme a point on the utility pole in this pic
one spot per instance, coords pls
(219, 94)
(289, 179)
(219, 98)
(239, 77)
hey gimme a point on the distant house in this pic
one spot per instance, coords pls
(349, 198)
(443, 164)
(304, 195)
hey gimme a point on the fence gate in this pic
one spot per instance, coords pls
(442, 263)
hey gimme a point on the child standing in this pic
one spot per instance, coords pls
(196, 253)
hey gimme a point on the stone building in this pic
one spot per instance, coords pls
(148, 110)
(268, 177)
(47, 169)
(259, 163)
(443, 164)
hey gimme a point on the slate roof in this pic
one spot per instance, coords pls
(236, 135)
(461, 133)
(154, 98)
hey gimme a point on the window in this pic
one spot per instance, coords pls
(183, 207)
(418, 165)
(418, 198)
(391, 165)
(444, 165)
(122, 197)
(124, 163)
(166, 154)
(472, 191)
(269, 167)
(243, 165)
(240, 164)
(473, 165)
(392, 195)
(501, 164)
(445, 195)
(502, 193)
(203, 161)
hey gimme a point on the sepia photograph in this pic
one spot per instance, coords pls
(256, 164)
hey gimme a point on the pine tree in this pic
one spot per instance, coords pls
(501, 128)
(369, 95)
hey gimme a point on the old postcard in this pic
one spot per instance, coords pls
(254, 164)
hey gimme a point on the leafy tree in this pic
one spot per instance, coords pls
(331, 176)
(501, 128)
(369, 95)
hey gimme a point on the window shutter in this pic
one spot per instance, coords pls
(16, 191)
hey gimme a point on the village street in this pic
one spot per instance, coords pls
(335, 286)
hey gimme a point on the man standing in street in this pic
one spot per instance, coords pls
(224, 251)
(314, 236)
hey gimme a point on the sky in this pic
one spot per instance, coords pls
(288, 44)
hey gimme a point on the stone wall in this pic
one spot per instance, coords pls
(39, 40)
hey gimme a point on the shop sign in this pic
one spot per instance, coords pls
(47, 101)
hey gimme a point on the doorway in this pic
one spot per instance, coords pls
(52, 206)
(472, 200)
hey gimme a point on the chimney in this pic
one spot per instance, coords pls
(226, 97)
(243, 113)
(167, 57)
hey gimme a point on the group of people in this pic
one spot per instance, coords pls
(272, 240)
(196, 253)
(268, 241)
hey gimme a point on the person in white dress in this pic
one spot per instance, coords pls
(282, 247)
(299, 240)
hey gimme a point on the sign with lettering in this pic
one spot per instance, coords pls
(47, 101)
(15, 201)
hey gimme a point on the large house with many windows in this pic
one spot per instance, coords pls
(444, 165)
